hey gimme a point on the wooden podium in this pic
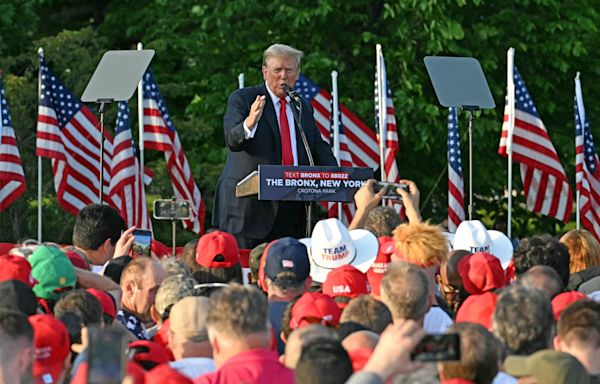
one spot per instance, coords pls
(248, 186)
(303, 183)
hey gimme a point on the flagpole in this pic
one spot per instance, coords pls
(336, 127)
(581, 111)
(39, 161)
(140, 99)
(336, 120)
(381, 102)
(241, 80)
(510, 91)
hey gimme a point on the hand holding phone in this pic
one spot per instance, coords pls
(391, 189)
(142, 243)
(438, 347)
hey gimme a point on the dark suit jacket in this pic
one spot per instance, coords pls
(247, 216)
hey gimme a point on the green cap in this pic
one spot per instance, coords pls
(53, 271)
(254, 260)
(549, 367)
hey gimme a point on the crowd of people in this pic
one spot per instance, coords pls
(347, 305)
(253, 301)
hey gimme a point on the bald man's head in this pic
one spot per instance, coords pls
(544, 278)
(140, 281)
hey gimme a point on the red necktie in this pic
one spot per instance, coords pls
(287, 157)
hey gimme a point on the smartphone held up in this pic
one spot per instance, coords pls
(391, 189)
(169, 209)
(438, 347)
(142, 243)
(106, 355)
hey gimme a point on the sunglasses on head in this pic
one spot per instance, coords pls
(207, 289)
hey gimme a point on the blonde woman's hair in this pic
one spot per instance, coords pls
(584, 249)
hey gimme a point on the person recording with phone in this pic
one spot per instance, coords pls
(260, 128)
(100, 234)
(371, 216)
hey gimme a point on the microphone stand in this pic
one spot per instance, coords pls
(297, 112)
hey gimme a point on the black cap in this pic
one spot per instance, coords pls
(287, 255)
(17, 295)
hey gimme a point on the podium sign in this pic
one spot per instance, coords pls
(305, 183)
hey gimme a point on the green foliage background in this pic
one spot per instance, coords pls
(202, 46)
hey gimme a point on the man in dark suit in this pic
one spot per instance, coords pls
(260, 129)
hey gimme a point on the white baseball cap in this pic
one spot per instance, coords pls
(472, 236)
(332, 245)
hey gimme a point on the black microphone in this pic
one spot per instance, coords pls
(292, 93)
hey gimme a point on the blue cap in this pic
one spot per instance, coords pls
(287, 255)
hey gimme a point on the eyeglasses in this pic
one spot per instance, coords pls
(450, 294)
(447, 290)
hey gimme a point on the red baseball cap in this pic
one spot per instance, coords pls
(563, 300)
(315, 308)
(380, 266)
(346, 281)
(457, 380)
(478, 309)
(164, 374)
(481, 272)
(262, 284)
(133, 370)
(149, 351)
(217, 245)
(359, 358)
(245, 257)
(161, 336)
(16, 268)
(52, 346)
(106, 300)
(77, 260)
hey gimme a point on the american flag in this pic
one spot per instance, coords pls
(345, 160)
(456, 206)
(587, 170)
(69, 134)
(12, 178)
(160, 134)
(125, 179)
(390, 172)
(358, 144)
(545, 183)
(361, 140)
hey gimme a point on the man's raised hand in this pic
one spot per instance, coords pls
(256, 111)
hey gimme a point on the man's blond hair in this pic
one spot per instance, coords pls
(405, 291)
(237, 311)
(422, 244)
(282, 50)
